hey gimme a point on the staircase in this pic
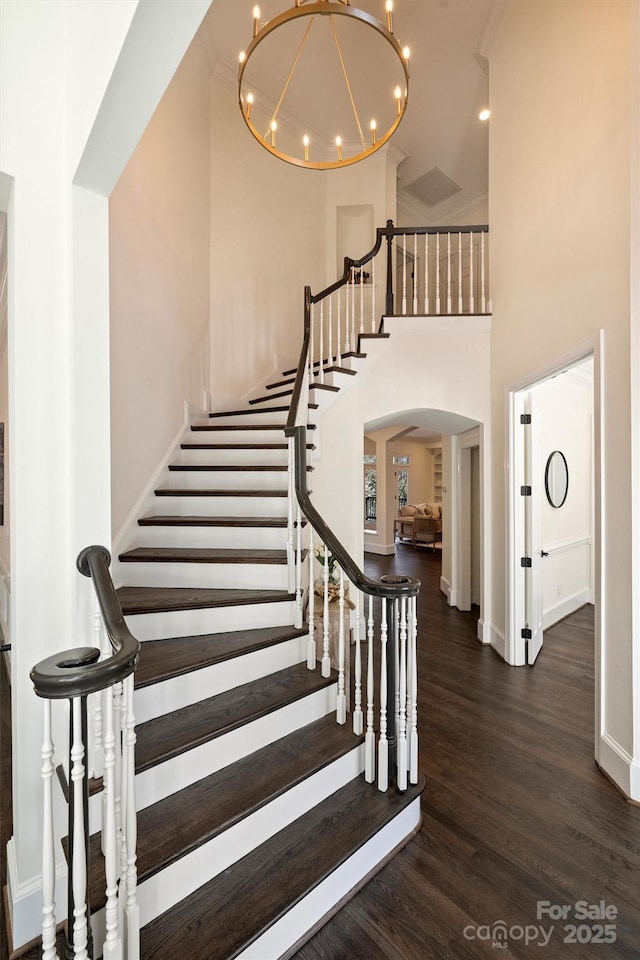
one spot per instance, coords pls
(254, 819)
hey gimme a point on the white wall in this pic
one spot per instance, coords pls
(560, 201)
(562, 410)
(159, 283)
(267, 242)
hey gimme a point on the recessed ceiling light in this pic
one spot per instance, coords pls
(484, 114)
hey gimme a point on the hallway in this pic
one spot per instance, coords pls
(515, 810)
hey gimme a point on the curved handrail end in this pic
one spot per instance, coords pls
(82, 562)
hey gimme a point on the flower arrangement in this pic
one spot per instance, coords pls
(333, 585)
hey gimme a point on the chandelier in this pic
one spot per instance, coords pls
(301, 74)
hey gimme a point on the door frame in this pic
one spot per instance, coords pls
(514, 613)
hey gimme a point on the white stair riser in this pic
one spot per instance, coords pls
(234, 457)
(334, 379)
(220, 506)
(177, 692)
(228, 479)
(166, 778)
(241, 576)
(322, 900)
(236, 436)
(268, 538)
(187, 623)
(180, 879)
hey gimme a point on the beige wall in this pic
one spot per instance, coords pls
(159, 283)
(560, 236)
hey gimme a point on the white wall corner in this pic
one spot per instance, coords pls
(483, 631)
(497, 640)
(445, 588)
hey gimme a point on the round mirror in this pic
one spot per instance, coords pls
(556, 479)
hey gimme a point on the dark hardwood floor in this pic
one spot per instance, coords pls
(515, 810)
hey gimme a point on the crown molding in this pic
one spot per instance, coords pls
(488, 33)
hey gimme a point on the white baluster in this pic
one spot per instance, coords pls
(312, 637)
(459, 272)
(326, 659)
(347, 320)
(361, 300)
(353, 341)
(370, 737)
(96, 748)
(448, 273)
(331, 330)
(373, 295)
(120, 790)
(414, 274)
(49, 951)
(321, 357)
(413, 711)
(483, 301)
(383, 745)
(290, 508)
(426, 273)
(437, 273)
(112, 949)
(404, 278)
(131, 910)
(338, 331)
(298, 618)
(79, 859)
(402, 700)
(358, 724)
(341, 708)
(472, 307)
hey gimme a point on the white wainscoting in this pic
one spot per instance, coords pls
(566, 578)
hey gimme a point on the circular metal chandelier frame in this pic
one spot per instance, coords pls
(325, 8)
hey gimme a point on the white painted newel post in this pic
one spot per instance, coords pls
(78, 863)
(49, 951)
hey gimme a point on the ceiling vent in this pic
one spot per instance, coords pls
(433, 187)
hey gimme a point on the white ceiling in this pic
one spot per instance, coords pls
(449, 41)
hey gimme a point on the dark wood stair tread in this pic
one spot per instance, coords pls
(173, 733)
(223, 917)
(281, 383)
(336, 369)
(271, 396)
(176, 656)
(325, 386)
(199, 427)
(171, 492)
(224, 798)
(228, 468)
(238, 446)
(203, 555)
(165, 520)
(138, 600)
(243, 412)
(329, 360)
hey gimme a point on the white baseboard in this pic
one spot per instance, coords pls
(445, 588)
(565, 607)
(25, 900)
(497, 640)
(620, 766)
(382, 549)
(483, 632)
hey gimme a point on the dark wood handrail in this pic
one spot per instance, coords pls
(76, 672)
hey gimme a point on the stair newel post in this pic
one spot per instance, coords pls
(460, 272)
(347, 319)
(321, 350)
(341, 710)
(413, 691)
(437, 273)
(426, 273)
(112, 949)
(361, 299)
(96, 759)
(404, 278)
(311, 643)
(311, 335)
(415, 278)
(49, 951)
(338, 328)
(78, 855)
(370, 737)
(330, 331)
(326, 659)
(383, 746)
(311, 653)
(120, 783)
(353, 339)
(401, 774)
(373, 295)
(132, 918)
(358, 725)
(448, 273)
(472, 306)
(290, 522)
(483, 301)
(389, 295)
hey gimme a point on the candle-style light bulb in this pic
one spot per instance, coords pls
(273, 126)
(305, 141)
(339, 146)
(398, 95)
(389, 8)
(249, 105)
(256, 19)
(406, 52)
(242, 56)
(374, 126)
